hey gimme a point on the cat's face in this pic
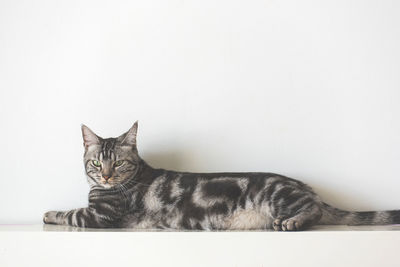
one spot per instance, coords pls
(110, 161)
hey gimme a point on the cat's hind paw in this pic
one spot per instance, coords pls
(290, 225)
(286, 225)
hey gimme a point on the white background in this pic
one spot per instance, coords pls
(309, 89)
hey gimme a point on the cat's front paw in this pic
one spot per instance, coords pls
(50, 217)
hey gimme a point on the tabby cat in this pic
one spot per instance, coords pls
(125, 192)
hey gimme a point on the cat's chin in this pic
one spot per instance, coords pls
(108, 186)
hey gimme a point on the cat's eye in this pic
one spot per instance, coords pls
(96, 163)
(118, 163)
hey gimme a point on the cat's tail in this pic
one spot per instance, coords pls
(334, 216)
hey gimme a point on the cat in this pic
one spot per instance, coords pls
(125, 192)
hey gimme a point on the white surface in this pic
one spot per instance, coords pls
(309, 89)
(63, 228)
(26, 246)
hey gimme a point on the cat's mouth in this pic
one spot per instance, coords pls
(109, 181)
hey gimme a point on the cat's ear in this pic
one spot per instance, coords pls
(89, 137)
(129, 138)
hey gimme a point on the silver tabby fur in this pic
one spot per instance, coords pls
(132, 194)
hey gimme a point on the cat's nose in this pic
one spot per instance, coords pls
(106, 177)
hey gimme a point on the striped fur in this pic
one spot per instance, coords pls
(132, 194)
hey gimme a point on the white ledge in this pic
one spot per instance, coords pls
(61, 228)
(49, 245)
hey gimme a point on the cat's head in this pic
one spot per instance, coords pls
(110, 161)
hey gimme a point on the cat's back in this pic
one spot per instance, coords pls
(215, 181)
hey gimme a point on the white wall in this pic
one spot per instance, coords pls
(309, 89)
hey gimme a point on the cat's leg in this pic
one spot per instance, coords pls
(303, 218)
(83, 217)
